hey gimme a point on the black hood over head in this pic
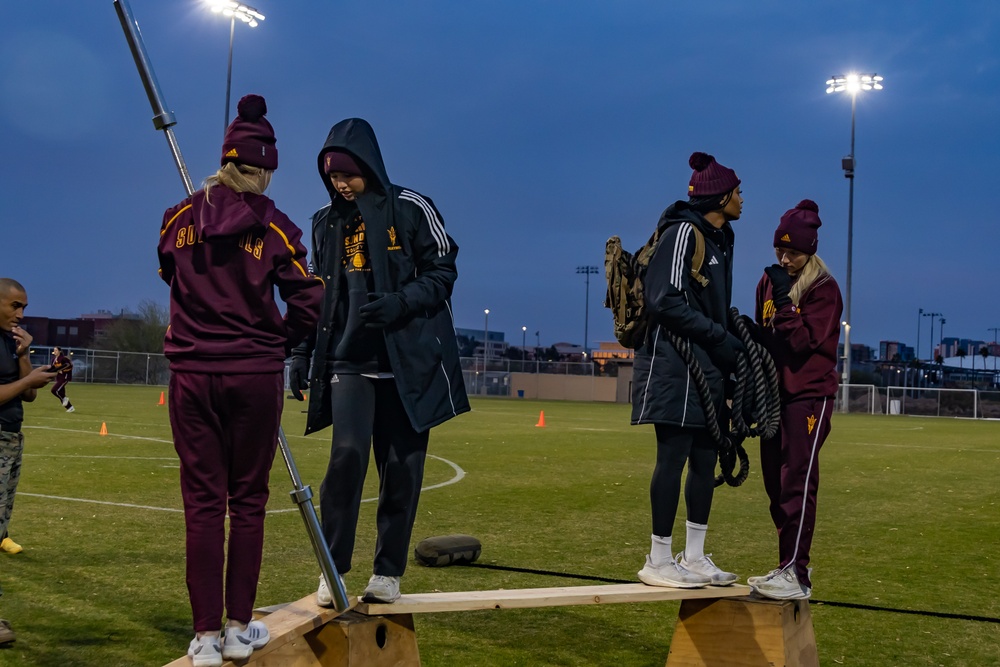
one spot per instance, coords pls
(356, 137)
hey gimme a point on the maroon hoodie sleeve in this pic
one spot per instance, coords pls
(171, 217)
(810, 326)
(301, 291)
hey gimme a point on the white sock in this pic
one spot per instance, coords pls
(659, 552)
(694, 547)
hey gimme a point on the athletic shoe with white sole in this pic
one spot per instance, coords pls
(704, 566)
(324, 597)
(240, 644)
(205, 652)
(9, 546)
(783, 586)
(71, 409)
(65, 402)
(671, 574)
(753, 581)
(381, 589)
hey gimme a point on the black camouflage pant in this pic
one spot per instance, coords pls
(11, 447)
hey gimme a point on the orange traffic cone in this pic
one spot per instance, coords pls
(541, 419)
(161, 399)
(104, 428)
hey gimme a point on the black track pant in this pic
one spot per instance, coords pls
(676, 446)
(368, 415)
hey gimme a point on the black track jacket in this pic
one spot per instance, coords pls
(411, 255)
(662, 389)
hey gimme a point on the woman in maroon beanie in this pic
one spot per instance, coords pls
(798, 311)
(223, 251)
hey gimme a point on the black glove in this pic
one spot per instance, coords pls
(298, 376)
(383, 310)
(724, 355)
(781, 285)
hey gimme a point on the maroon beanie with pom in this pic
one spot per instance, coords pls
(798, 228)
(710, 177)
(250, 138)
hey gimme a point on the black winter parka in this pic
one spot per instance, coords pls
(663, 391)
(412, 256)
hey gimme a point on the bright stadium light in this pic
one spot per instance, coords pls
(246, 14)
(853, 84)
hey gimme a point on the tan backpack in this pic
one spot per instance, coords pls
(625, 273)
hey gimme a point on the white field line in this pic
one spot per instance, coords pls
(459, 474)
(934, 447)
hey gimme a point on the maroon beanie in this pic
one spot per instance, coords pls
(710, 177)
(797, 229)
(250, 138)
(342, 162)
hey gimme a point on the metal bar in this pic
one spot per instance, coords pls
(229, 72)
(302, 496)
(162, 120)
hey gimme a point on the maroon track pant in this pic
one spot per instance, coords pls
(789, 463)
(225, 433)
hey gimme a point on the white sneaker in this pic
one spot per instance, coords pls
(704, 566)
(324, 598)
(205, 652)
(240, 645)
(381, 589)
(753, 581)
(783, 586)
(65, 401)
(671, 574)
(71, 409)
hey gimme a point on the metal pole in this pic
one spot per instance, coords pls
(850, 246)
(163, 120)
(229, 72)
(586, 316)
(916, 349)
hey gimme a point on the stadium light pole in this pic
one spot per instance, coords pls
(486, 337)
(941, 338)
(852, 83)
(245, 13)
(932, 316)
(916, 349)
(994, 330)
(524, 334)
(587, 271)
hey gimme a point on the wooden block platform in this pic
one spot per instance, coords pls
(521, 598)
(287, 624)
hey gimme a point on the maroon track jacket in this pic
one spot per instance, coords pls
(222, 261)
(803, 340)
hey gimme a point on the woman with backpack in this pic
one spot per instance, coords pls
(798, 314)
(690, 307)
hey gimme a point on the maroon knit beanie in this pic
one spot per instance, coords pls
(250, 138)
(710, 177)
(342, 162)
(798, 228)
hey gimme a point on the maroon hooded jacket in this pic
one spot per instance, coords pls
(222, 261)
(803, 340)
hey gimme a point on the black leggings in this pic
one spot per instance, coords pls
(674, 447)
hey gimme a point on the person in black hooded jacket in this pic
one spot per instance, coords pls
(663, 393)
(385, 361)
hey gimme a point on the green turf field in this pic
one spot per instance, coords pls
(909, 519)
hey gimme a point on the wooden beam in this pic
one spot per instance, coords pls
(544, 597)
(286, 625)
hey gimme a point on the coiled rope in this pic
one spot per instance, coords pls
(756, 410)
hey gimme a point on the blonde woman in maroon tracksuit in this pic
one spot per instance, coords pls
(798, 311)
(223, 251)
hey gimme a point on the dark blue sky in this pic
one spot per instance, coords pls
(538, 128)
